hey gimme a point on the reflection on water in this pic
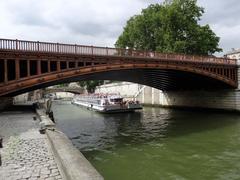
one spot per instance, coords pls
(156, 143)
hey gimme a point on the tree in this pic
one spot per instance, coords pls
(90, 85)
(63, 85)
(171, 27)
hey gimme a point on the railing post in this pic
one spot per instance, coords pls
(229, 73)
(38, 67)
(107, 50)
(75, 49)
(92, 50)
(58, 47)
(129, 52)
(17, 69)
(49, 66)
(37, 45)
(16, 44)
(58, 66)
(5, 71)
(28, 68)
(67, 62)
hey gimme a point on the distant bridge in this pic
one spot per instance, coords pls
(64, 89)
(30, 65)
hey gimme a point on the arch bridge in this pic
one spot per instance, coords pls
(30, 65)
(73, 90)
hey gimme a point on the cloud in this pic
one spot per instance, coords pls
(91, 22)
(223, 18)
(100, 22)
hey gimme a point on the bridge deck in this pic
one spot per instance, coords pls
(74, 49)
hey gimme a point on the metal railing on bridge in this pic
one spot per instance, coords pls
(47, 47)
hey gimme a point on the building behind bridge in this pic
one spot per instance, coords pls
(234, 54)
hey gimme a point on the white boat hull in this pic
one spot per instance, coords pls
(109, 108)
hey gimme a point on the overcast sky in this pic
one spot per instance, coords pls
(100, 22)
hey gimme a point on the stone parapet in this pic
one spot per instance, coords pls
(238, 62)
(74, 165)
(71, 162)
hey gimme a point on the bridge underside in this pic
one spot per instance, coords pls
(163, 79)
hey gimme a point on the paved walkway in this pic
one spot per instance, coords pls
(26, 154)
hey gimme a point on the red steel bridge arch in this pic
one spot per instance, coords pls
(29, 65)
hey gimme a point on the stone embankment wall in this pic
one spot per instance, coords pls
(126, 89)
(238, 74)
(225, 99)
(5, 102)
(20, 99)
(28, 97)
(71, 162)
(63, 95)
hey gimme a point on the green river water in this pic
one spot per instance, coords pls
(155, 143)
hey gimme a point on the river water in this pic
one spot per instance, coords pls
(155, 143)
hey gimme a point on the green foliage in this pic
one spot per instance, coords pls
(90, 85)
(62, 85)
(170, 27)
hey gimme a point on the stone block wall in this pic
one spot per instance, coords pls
(238, 62)
(126, 89)
(5, 102)
(222, 99)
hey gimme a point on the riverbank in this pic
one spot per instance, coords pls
(73, 164)
(26, 154)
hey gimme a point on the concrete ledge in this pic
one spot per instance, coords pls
(74, 164)
(46, 121)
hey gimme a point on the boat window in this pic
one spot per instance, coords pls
(116, 100)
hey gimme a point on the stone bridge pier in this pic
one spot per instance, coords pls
(211, 99)
(5, 102)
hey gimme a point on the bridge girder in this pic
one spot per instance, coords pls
(164, 77)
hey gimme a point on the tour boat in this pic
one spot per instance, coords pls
(106, 103)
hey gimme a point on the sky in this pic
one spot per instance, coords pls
(100, 22)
